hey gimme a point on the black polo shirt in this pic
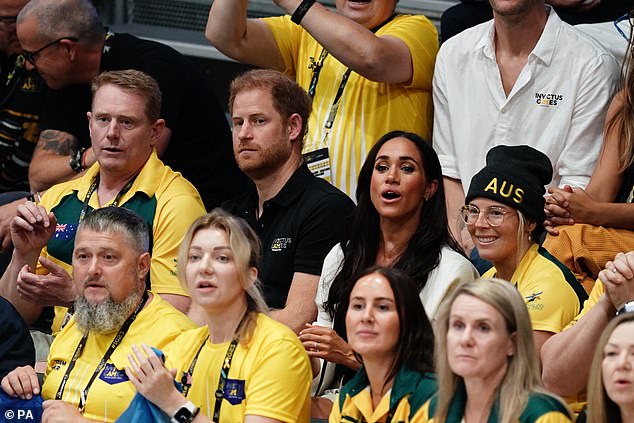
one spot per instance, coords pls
(297, 229)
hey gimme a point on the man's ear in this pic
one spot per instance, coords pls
(157, 130)
(143, 264)
(294, 125)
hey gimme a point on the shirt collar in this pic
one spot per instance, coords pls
(545, 47)
(147, 180)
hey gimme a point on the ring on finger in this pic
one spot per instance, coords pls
(614, 270)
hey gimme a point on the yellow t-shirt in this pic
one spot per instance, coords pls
(368, 109)
(269, 377)
(111, 392)
(552, 294)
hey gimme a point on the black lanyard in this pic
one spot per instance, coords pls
(93, 187)
(224, 370)
(82, 343)
(316, 66)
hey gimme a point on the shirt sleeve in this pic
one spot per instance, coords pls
(593, 299)
(585, 137)
(443, 136)
(421, 37)
(287, 36)
(170, 225)
(281, 386)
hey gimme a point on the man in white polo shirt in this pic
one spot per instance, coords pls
(524, 77)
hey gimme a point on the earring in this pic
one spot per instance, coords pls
(530, 238)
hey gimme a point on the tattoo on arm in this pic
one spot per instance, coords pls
(59, 142)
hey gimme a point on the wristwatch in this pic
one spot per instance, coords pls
(186, 414)
(75, 160)
(628, 307)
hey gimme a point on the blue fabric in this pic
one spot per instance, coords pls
(478, 262)
(141, 410)
(16, 409)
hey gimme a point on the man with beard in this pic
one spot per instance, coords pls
(85, 377)
(296, 215)
(124, 126)
(524, 77)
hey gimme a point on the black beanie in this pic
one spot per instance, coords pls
(514, 176)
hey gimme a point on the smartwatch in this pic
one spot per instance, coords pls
(186, 414)
(628, 307)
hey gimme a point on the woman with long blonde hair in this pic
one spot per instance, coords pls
(485, 360)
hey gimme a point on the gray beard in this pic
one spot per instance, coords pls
(106, 316)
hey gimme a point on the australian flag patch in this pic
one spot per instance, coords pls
(65, 231)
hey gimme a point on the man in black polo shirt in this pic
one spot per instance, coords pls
(297, 215)
(64, 40)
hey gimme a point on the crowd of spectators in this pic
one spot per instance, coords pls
(426, 231)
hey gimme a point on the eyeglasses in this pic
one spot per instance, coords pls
(31, 57)
(7, 22)
(628, 16)
(493, 215)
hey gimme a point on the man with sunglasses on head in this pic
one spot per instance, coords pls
(64, 40)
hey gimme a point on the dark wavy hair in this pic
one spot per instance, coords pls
(362, 240)
(415, 346)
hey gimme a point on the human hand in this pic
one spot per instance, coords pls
(57, 411)
(618, 279)
(21, 382)
(7, 213)
(31, 228)
(152, 380)
(53, 289)
(323, 342)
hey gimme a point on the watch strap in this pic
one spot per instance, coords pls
(628, 307)
(186, 414)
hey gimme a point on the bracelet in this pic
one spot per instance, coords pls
(75, 160)
(301, 10)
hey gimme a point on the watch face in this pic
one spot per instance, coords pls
(183, 415)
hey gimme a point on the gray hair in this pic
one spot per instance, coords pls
(65, 18)
(121, 220)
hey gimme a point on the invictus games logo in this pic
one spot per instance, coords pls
(548, 99)
(280, 244)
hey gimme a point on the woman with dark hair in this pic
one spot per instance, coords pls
(389, 331)
(610, 388)
(400, 222)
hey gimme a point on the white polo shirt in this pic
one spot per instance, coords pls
(557, 105)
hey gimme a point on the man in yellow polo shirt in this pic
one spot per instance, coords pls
(85, 377)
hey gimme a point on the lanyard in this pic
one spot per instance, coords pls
(316, 66)
(93, 187)
(224, 370)
(82, 343)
